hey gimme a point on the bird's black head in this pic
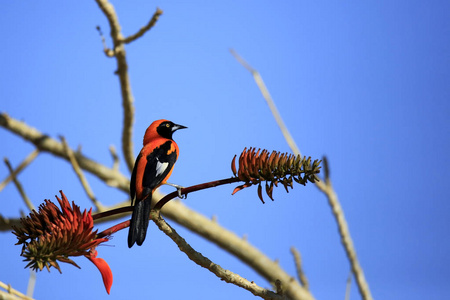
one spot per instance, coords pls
(167, 128)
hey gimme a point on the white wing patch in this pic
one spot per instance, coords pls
(160, 167)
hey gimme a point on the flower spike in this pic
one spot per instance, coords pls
(256, 166)
(51, 235)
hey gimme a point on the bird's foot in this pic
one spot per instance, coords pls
(178, 187)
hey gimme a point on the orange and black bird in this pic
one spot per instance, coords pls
(152, 168)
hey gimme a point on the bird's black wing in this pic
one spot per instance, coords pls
(159, 164)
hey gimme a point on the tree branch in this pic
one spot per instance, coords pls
(115, 157)
(80, 175)
(144, 29)
(346, 238)
(235, 245)
(125, 87)
(19, 186)
(7, 224)
(265, 92)
(204, 262)
(326, 188)
(11, 293)
(19, 168)
(298, 266)
(47, 144)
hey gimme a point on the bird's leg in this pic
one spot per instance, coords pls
(178, 187)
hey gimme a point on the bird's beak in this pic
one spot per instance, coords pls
(177, 126)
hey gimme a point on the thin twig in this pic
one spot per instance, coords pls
(19, 168)
(31, 283)
(348, 286)
(6, 224)
(194, 188)
(80, 175)
(124, 79)
(108, 51)
(346, 239)
(19, 186)
(167, 198)
(115, 228)
(204, 262)
(144, 29)
(298, 266)
(115, 158)
(14, 292)
(265, 92)
(326, 188)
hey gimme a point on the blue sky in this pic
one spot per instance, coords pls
(367, 84)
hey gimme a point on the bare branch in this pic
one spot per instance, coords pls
(204, 262)
(326, 188)
(7, 224)
(144, 29)
(235, 245)
(108, 51)
(348, 286)
(19, 186)
(115, 157)
(265, 92)
(76, 167)
(31, 283)
(19, 168)
(125, 87)
(47, 144)
(11, 293)
(298, 266)
(346, 239)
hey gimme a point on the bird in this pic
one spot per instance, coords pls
(152, 168)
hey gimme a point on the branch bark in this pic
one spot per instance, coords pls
(144, 29)
(204, 262)
(47, 144)
(237, 246)
(346, 238)
(124, 79)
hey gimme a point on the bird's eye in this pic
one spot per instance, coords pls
(167, 125)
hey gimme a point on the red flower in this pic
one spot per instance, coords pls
(104, 269)
(52, 234)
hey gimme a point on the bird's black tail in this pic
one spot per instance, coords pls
(139, 222)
